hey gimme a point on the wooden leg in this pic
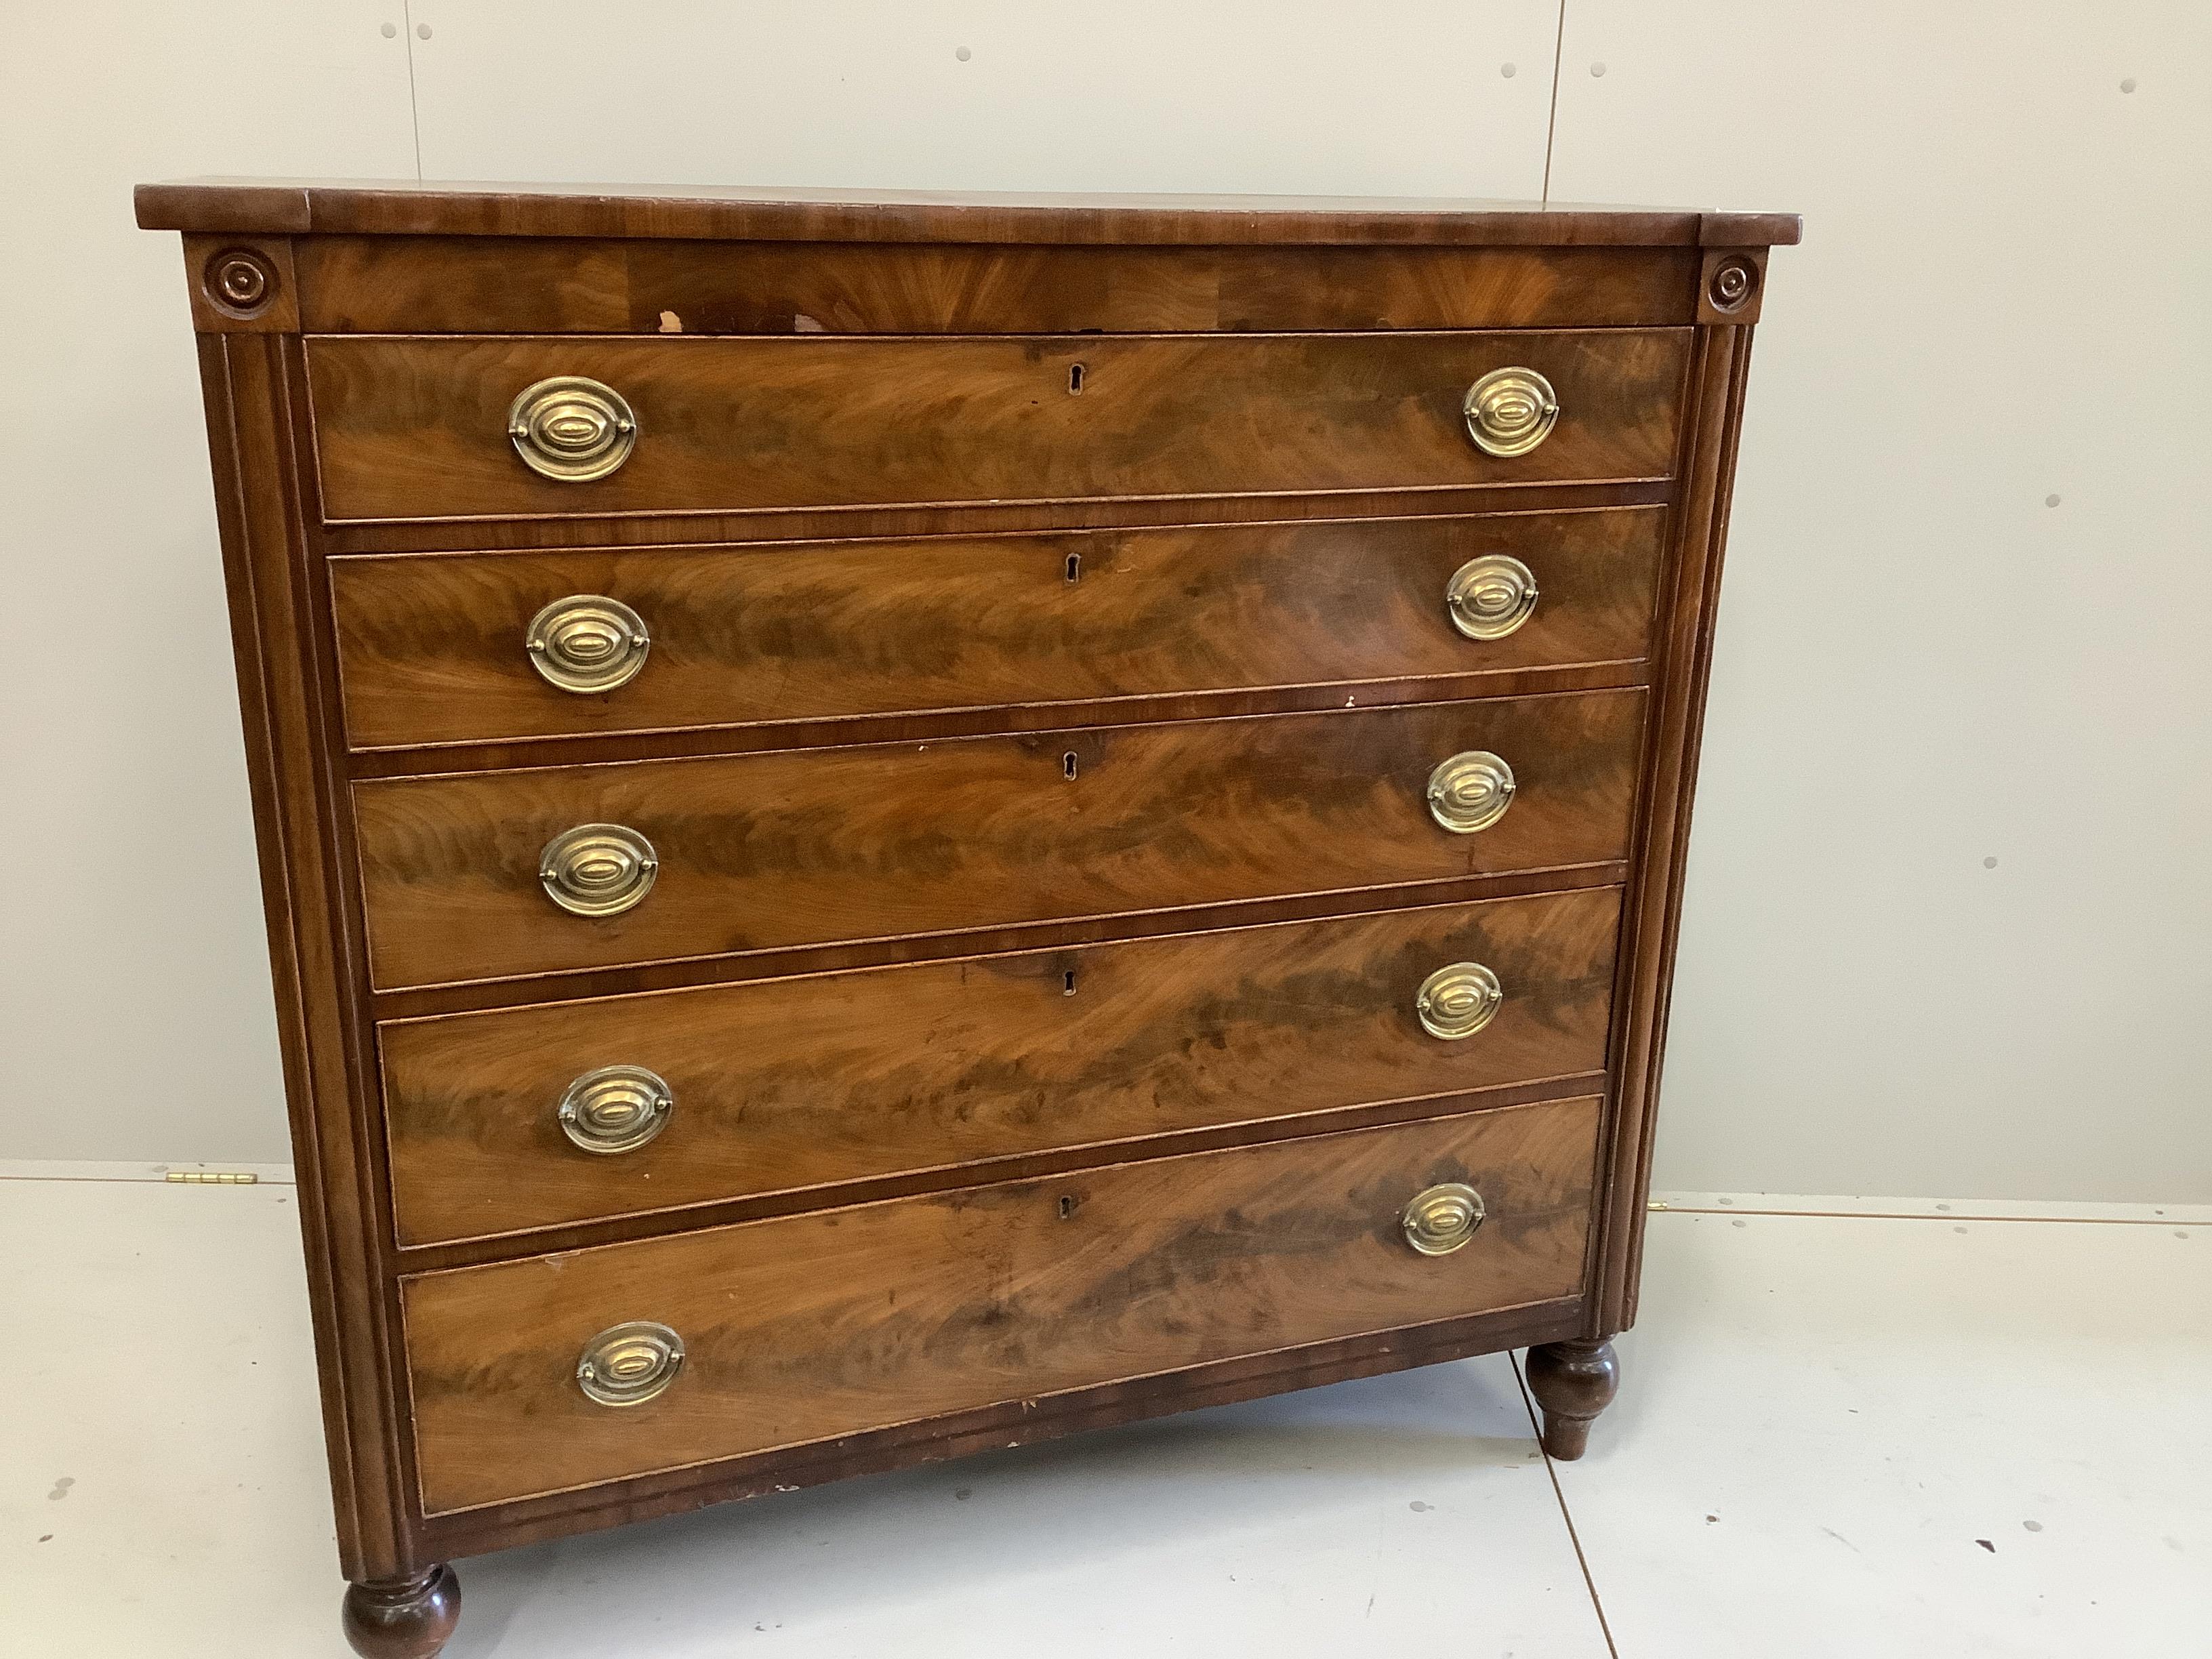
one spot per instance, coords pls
(404, 1618)
(1573, 1381)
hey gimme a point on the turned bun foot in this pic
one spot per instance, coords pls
(404, 1619)
(1573, 1381)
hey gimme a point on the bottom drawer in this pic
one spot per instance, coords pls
(805, 1327)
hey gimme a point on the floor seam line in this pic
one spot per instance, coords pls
(1574, 1538)
(1552, 115)
(146, 1181)
(1923, 1215)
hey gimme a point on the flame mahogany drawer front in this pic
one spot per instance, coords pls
(439, 649)
(423, 429)
(533, 1117)
(752, 853)
(893, 826)
(809, 1328)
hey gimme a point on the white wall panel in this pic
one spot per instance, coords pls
(135, 1012)
(1404, 97)
(2004, 295)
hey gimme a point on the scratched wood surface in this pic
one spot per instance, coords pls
(897, 839)
(417, 427)
(805, 1327)
(475, 285)
(410, 207)
(431, 646)
(803, 1083)
(813, 371)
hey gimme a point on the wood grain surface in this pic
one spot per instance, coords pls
(417, 427)
(806, 1327)
(288, 717)
(1652, 914)
(431, 646)
(903, 786)
(410, 207)
(975, 518)
(806, 1082)
(895, 840)
(996, 1427)
(476, 285)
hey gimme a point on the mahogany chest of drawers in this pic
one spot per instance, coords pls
(896, 825)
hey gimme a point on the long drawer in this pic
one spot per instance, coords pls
(479, 285)
(416, 428)
(682, 858)
(443, 648)
(533, 1117)
(806, 1327)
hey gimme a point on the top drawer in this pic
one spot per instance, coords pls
(420, 428)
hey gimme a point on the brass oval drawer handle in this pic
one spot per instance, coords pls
(1443, 1218)
(629, 1365)
(597, 869)
(1470, 791)
(615, 1108)
(571, 428)
(1457, 1000)
(587, 643)
(1510, 411)
(1490, 597)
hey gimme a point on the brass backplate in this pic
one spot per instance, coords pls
(1457, 1000)
(1490, 597)
(629, 1365)
(587, 643)
(1443, 1218)
(1510, 411)
(572, 429)
(1470, 791)
(597, 869)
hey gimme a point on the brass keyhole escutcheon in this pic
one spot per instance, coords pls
(1470, 791)
(629, 1365)
(572, 429)
(1458, 1000)
(615, 1108)
(1510, 411)
(1443, 1218)
(1490, 597)
(587, 643)
(597, 869)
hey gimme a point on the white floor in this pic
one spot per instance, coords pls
(1878, 1433)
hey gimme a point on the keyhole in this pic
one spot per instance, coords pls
(1067, 763)
(1075, 381)
(1067, 1206)
(1074, 566)
(1067, 984)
